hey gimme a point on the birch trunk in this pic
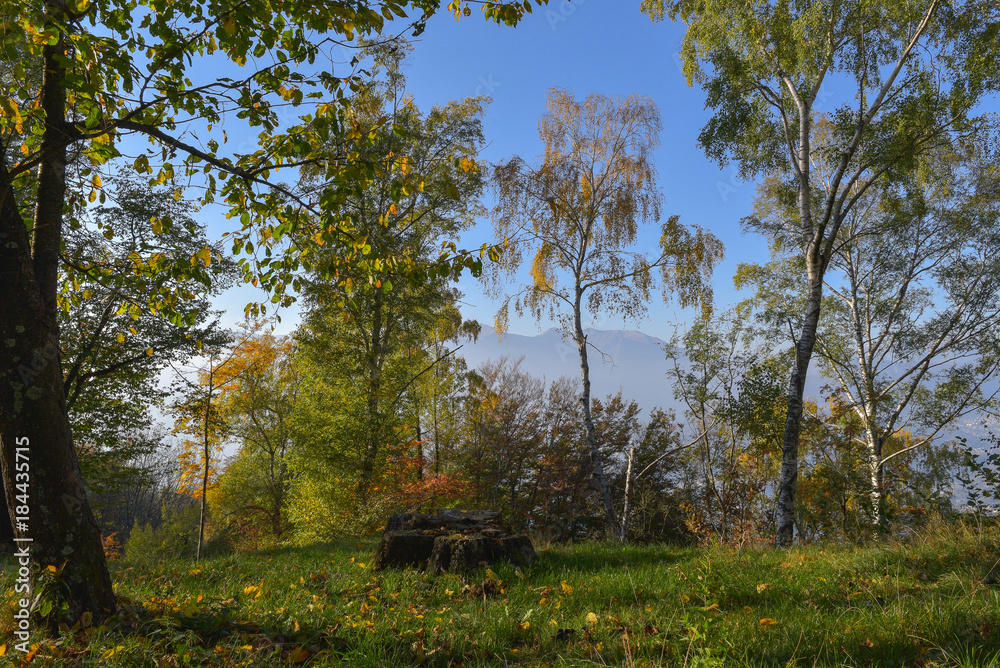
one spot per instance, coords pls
(629, 490)
(876, 472)
(610, 518)
(788, 480)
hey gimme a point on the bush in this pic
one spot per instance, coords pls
(177, 536)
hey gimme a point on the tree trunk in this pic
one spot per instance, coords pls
(611, 520)
(876, 472)
(788, 480)
(56, 525)
(374, 377)
(208, 453)
(629, 490)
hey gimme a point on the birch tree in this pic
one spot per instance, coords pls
(912, 75)
(911, 305)
(912, 334)
(578, 214)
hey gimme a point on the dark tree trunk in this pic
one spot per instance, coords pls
(35, 435)
(373, 369)
(788, 480)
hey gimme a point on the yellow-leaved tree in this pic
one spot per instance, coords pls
(578, 215)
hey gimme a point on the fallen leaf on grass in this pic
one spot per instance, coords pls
(298, 655)
(768, 621)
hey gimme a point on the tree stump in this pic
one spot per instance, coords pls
(452, 540)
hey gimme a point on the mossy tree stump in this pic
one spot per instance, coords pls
(452, 540)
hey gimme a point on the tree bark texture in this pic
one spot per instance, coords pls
(788, 478)
(35, 435)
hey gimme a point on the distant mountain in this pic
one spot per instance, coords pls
(632, 362)
(624, 360)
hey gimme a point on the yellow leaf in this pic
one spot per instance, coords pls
(762, 587)
(3, 649)
(524, 626)
(491, 575)
(566, 588)
(205, 255)
(591, 618)
(298, 655)
(768, 621)
(714, 606)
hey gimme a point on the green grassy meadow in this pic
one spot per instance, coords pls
(928, 601)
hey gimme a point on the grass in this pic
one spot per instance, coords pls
(919, 603)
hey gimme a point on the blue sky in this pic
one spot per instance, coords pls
(585, 46)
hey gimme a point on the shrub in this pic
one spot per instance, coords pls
(177, 536)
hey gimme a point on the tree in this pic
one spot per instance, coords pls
(909, 331)
(390, 314)
(504, 436)
(257, 407)
(728, 382)
(579, 214)
(113, 344)
(198, 416)
(915, 74)
(141, 73)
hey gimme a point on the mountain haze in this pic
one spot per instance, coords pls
(624, 360)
